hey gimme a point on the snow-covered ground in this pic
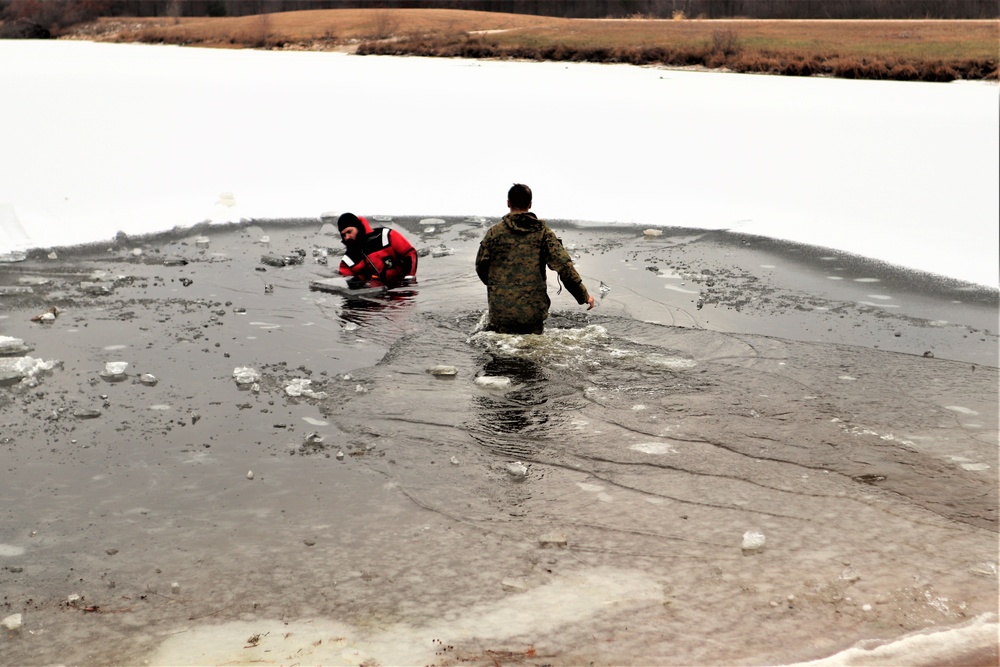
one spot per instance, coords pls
(101, 138)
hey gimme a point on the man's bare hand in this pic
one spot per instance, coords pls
(590, 302)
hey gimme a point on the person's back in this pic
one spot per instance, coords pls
(511, 263)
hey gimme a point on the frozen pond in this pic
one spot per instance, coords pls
(143, 138)
(752, 452)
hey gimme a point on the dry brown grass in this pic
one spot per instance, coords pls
(959, 39)
(930, 50)
(344, 26)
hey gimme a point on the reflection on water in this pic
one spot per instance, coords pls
(514, 422)
(385, 309)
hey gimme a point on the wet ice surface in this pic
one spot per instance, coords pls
(385, 520)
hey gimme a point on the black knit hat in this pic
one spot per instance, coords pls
(349, 220)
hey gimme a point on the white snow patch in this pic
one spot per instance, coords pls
(654, 448)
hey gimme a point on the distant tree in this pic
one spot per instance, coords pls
(34, 11)
(89, 9)
(54, 13)
(709, 9)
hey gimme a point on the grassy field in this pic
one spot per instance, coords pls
(928, 50)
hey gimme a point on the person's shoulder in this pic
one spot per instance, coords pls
(553, 242)
(541, 223)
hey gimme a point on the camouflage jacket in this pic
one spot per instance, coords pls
(511, 263)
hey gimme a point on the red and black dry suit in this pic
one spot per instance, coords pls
(380, 257)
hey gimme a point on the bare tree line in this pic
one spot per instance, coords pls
(764, 9)
(708, 9)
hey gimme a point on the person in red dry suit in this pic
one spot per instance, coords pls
(379, 257)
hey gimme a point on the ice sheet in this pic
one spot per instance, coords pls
(140, 138)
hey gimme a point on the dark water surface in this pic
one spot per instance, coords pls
(581, 497)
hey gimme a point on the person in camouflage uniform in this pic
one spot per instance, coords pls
(511, 263)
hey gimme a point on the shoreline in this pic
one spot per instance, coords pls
(738, 45)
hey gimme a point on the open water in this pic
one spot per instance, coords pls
(749, 453)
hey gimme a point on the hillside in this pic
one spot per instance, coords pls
(925, 50)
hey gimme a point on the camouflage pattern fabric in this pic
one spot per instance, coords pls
(511, 263)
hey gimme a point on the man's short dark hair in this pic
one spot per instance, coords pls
(519, 196)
